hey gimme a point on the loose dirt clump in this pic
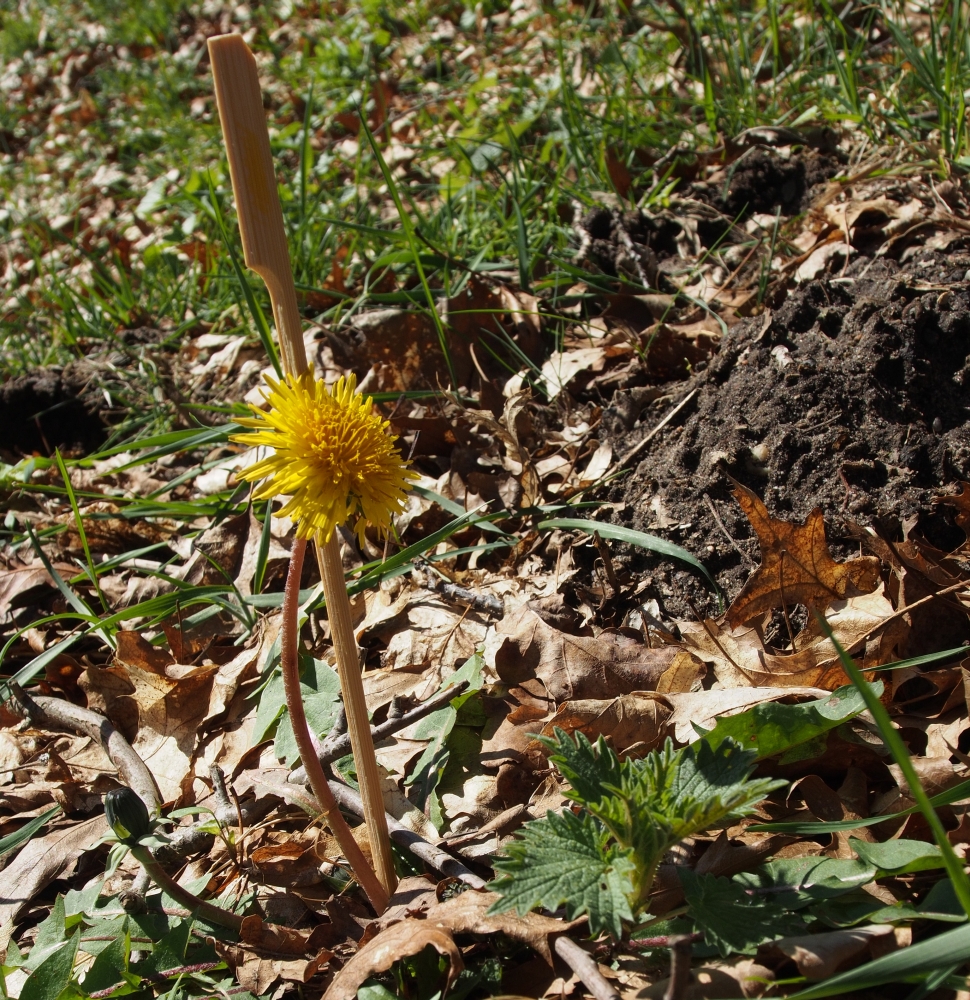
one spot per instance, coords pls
(853, 395)
(50, 408)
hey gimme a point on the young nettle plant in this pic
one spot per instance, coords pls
(601, 862)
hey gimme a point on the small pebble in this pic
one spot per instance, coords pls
(937, 425)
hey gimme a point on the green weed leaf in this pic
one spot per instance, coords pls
(568, 860)
(734, 921)
(51, 977)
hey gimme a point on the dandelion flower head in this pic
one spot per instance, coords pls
(334, 456)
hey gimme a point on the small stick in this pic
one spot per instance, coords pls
(290, 667)
(680, 947)
(340, 746)
(358, 724)
(749, 562)
(640, 445)
(265, 250)
(585, 968)
(55, 713)
(430, 854)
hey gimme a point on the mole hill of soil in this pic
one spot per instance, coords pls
(852, 395)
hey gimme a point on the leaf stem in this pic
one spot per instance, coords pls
(199, 907)
(290, 666)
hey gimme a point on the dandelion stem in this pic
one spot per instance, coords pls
(358, 725)
(290, 664)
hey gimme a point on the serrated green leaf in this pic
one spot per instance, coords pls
(568, 861)
(732, 920)
(592, 769)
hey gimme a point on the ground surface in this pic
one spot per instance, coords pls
(678, 339)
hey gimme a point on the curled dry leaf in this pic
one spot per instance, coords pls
(268, 953)
(466, 913)
(796, 565)
(399, 941)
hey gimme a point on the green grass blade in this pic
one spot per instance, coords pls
(75, 600)
(943, 951)
(14, 840)
(639, 538)
(262, 554)
(409, 233)
(79, 523)
(892, 739)
(958, 793)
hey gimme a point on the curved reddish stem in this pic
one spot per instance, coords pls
(290, 664)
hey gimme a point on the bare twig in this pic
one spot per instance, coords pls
(55, 713)
(430, 854)
(680, 946)
(486, 603)
(290, 668)
(585, 968)
(335, 749)
(749, 562)
(640, 445)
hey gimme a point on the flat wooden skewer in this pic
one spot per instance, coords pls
(265, 251)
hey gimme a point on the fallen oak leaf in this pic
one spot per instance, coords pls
(577, 666)
(796, 565)
(640, 718)
(267, 953)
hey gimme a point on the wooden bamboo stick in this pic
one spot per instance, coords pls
(265, 250)
(358, 725)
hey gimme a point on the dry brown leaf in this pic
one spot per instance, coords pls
(819, 956)
(20, 580)
(268, 953)
(396, 942)
(159, 703)
(638, 718)
(37, 864)
(741, 977)
(468, 914)
(573, 666)
(796, 565)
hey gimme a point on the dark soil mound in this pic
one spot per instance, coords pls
(854, 395)
(763, 181)
(50, 408)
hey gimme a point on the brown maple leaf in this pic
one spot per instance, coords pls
(961, 502)
(796, 565)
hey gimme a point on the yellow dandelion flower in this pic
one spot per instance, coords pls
(334, 456)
